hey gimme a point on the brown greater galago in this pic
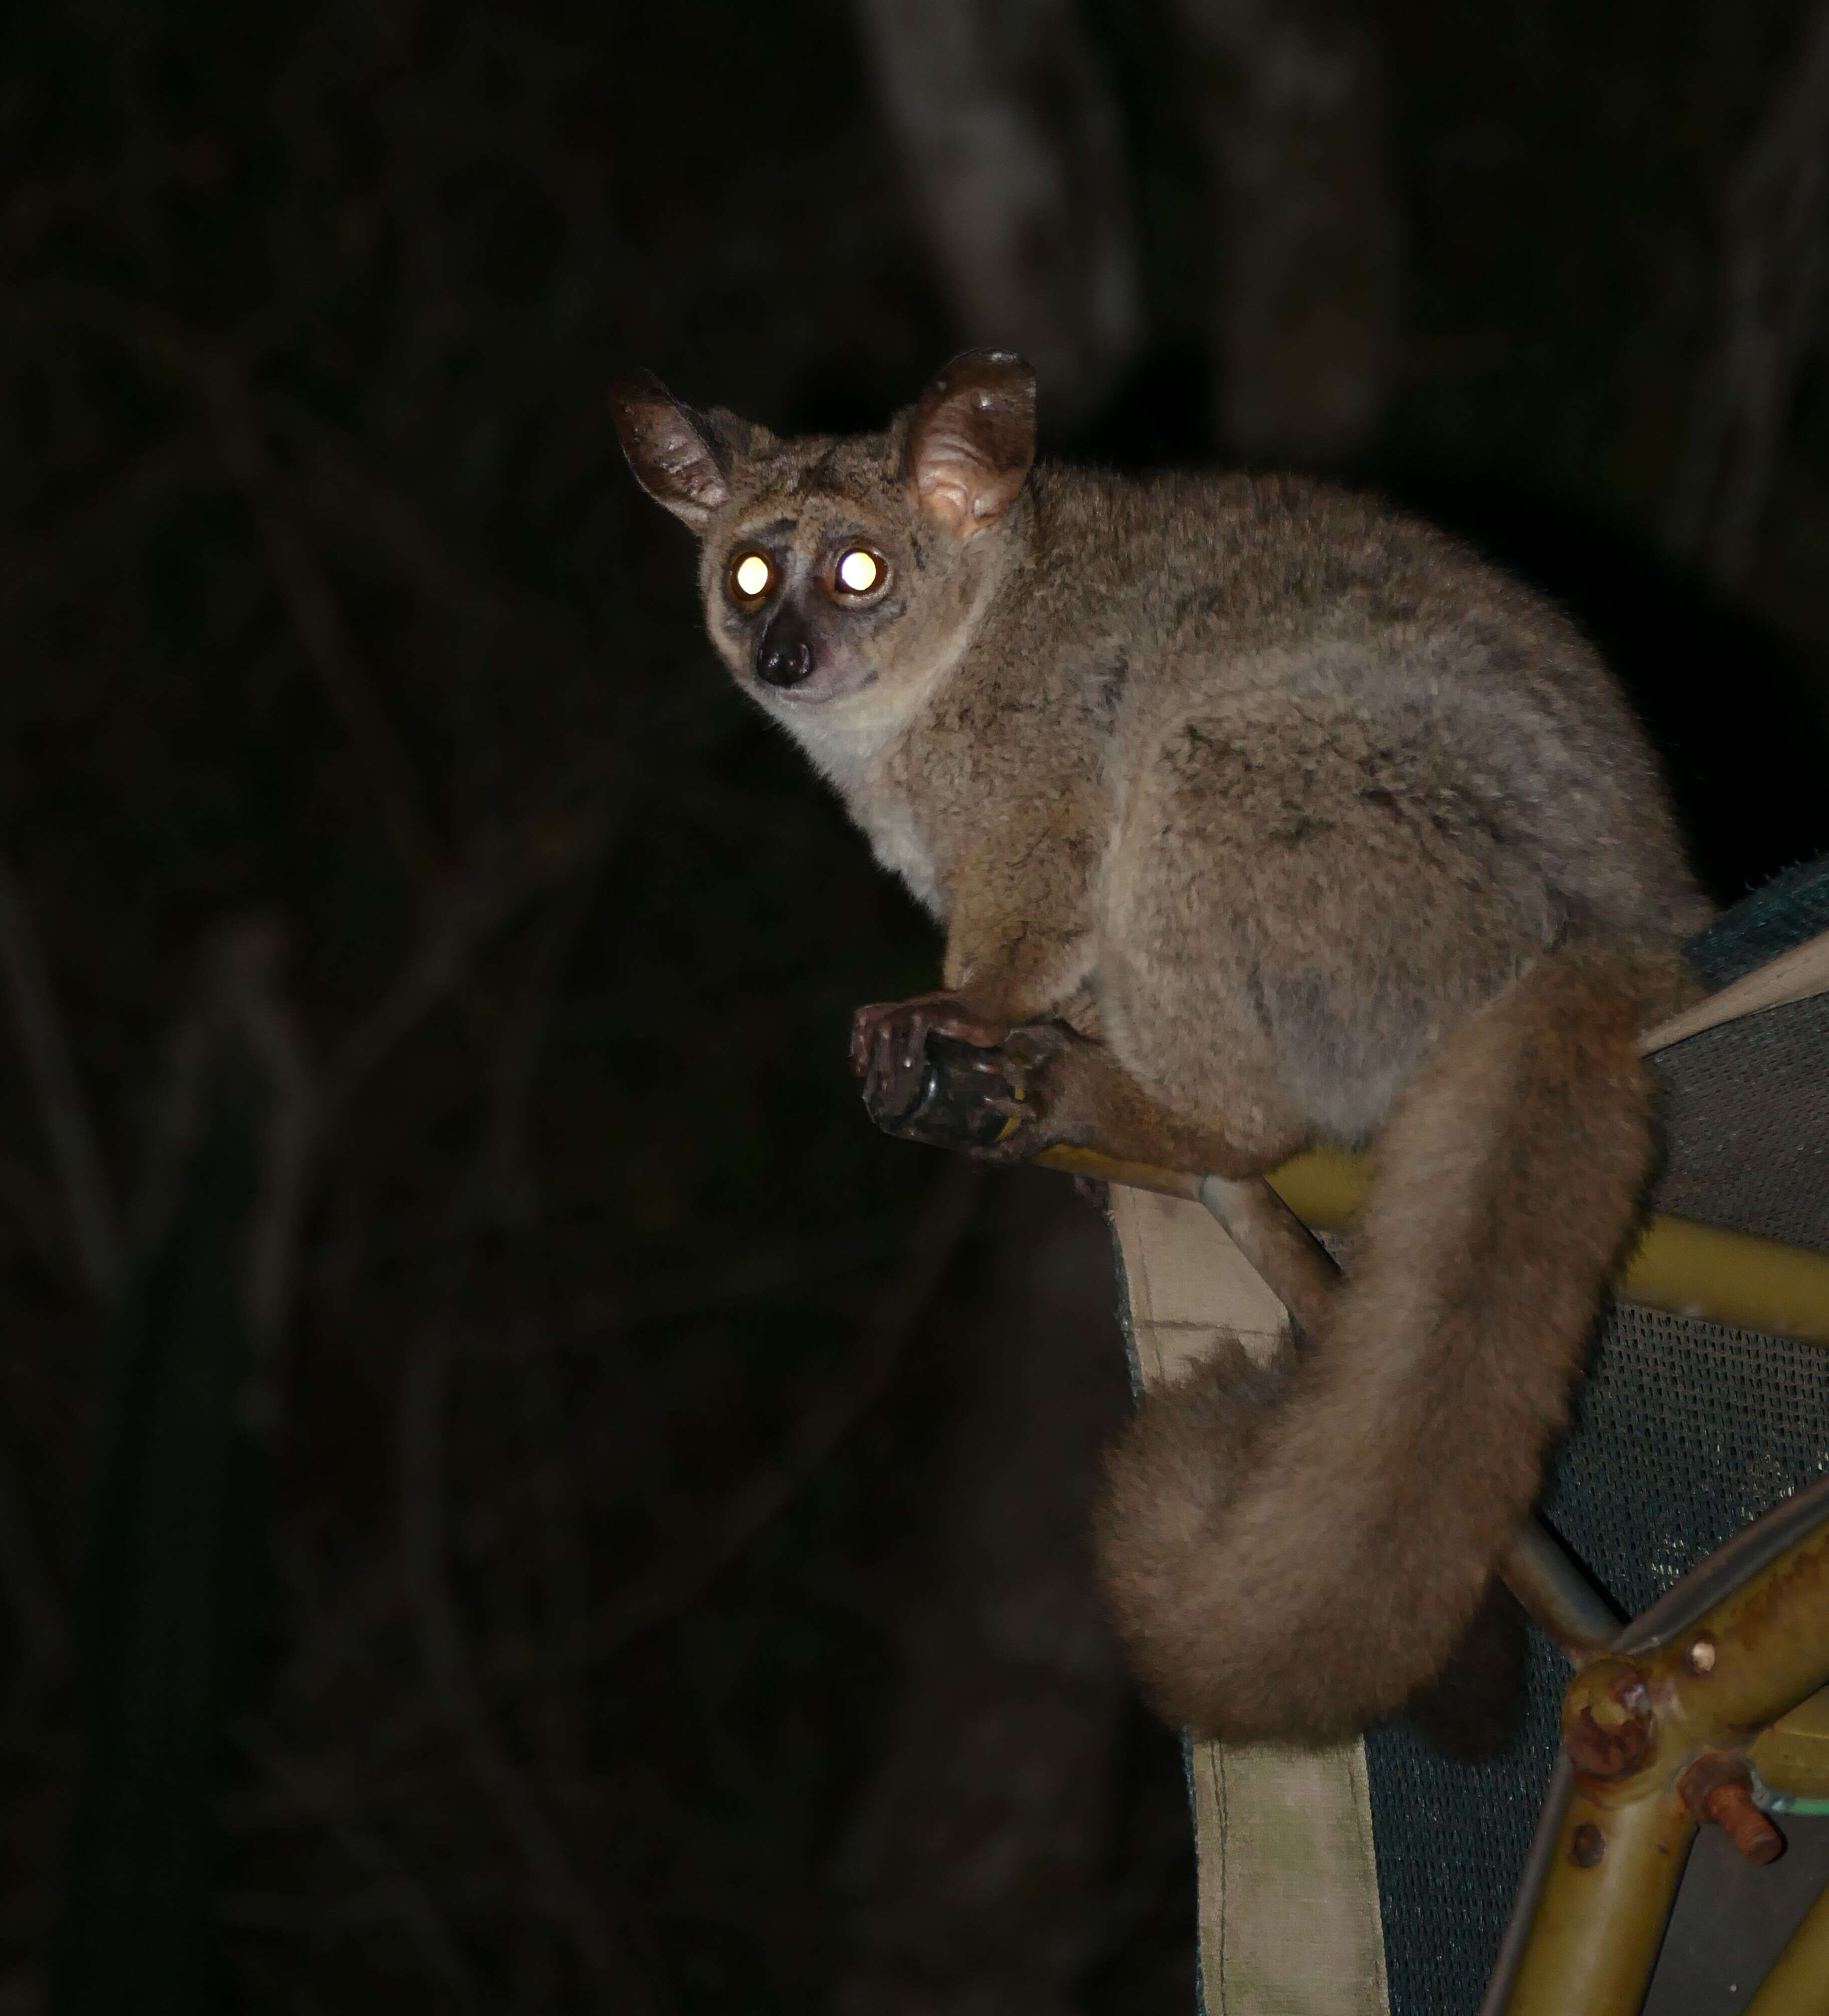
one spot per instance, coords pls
(1258, 816)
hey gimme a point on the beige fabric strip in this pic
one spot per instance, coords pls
(1189, 1285)
(1289, 1923)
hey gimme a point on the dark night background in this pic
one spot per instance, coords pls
(511, 1496)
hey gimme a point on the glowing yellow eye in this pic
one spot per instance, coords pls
(859, 571)
(751, 576)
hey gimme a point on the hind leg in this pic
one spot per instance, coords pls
(1298, 904)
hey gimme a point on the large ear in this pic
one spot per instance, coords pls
(972, 439)
(681, 459)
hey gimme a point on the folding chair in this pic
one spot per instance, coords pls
(1691, 1495)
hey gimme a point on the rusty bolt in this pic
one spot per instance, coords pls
(1587, 1845)
(1717, 1787)
(1701, 1655)
(1607, 1725)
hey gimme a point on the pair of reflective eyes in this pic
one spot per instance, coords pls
(858, 571)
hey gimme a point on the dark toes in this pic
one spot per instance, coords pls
(873, 1028)
(897, 1067)
(967, 1079)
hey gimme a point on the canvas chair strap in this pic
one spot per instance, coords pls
(1289, 1919)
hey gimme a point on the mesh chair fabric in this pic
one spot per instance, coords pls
(1684, 1431)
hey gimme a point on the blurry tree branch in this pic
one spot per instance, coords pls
(1009, 141)
(615, 1977)
(1772, 248)
(171, 1581)
(673, 1582)
(308, 594)
(1291, 105)
(94, 1221)
(239, 1000)
(89, 533)
(244, 997)
(346, 491)
(462, 913)
(210, 368)
(524, 1028)
(40, 1620)
(320, 1801)
(33, 1201)
(977, 1860)
(749, 1277)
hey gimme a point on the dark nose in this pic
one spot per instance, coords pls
(783, 656)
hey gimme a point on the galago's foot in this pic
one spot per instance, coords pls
(986, 1099)
(889, 1047)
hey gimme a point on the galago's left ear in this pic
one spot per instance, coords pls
(681, 458)
(971, 442)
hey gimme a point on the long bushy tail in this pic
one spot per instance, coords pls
(1290, 1554)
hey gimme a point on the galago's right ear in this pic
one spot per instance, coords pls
(971, 440)
(681, 458)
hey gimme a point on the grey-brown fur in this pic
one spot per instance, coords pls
(1288, 820)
